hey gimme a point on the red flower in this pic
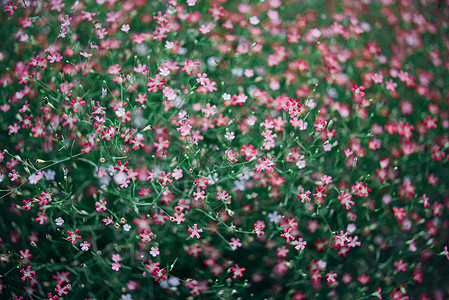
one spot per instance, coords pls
(159, 273)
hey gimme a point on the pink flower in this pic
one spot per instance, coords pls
(258, 227)
(101, 205)
(10, 7)
(331, 277)
(205, 28)
(177, 174)
(400, 265)
(300, 244)
(266, 165)
(319, 194)
(146, 236)
(391, 85)
(235, 243)
(108, 220)
(341, 238)
(320, 124)
(154, 251)
(85, 246)
(73, 236)
(114, 69)
(116, 257)
(165, 178)
(195, 231)
(399, 212)
(237, 271)
(358, 90)
(125, 28)
(345, 199)
(446, 252)
(159, 273)
(27, 273)
(115, 266)
(287, 234)
(231, 156)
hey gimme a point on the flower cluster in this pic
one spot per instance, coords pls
(224, 149)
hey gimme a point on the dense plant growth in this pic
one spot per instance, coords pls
(224, 149)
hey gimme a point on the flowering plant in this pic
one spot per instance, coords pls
(224, 149)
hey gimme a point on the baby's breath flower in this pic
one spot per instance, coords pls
(49, 175)
(226, 96)
(254, 20)
(120, 112)
(154, 251)
(125, 27)
(59, 221)
(237, 71)
(229, 135)
(274, 217)
(85, 246)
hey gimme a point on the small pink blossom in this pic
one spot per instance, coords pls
(195, 231)
(10, 7)
(85, 246)
(125, 28)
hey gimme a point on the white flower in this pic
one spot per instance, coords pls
(212, 179)
(212, 61)
(126, 227)
(120, 178)
(226, 96)
(154, 251)
(386, 199)
(237, 72)
(173, 281)
(239, 185)
(169, 45)
(33, 178)
(254, 20)
(182, 115)
(126, 297)
(327, 146)
(163, 284)
(177, 174)
(125, 27)
(120, 112)
(251, 120)
(332, 92)
(274, 217)
(164, 71)
(246, 173)
(50, 175)
(182, 51)
(229, 135)
(301, 164)
(351, 228)
(310, 103)
(321, 264)
(365, 26)
(315, 32)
